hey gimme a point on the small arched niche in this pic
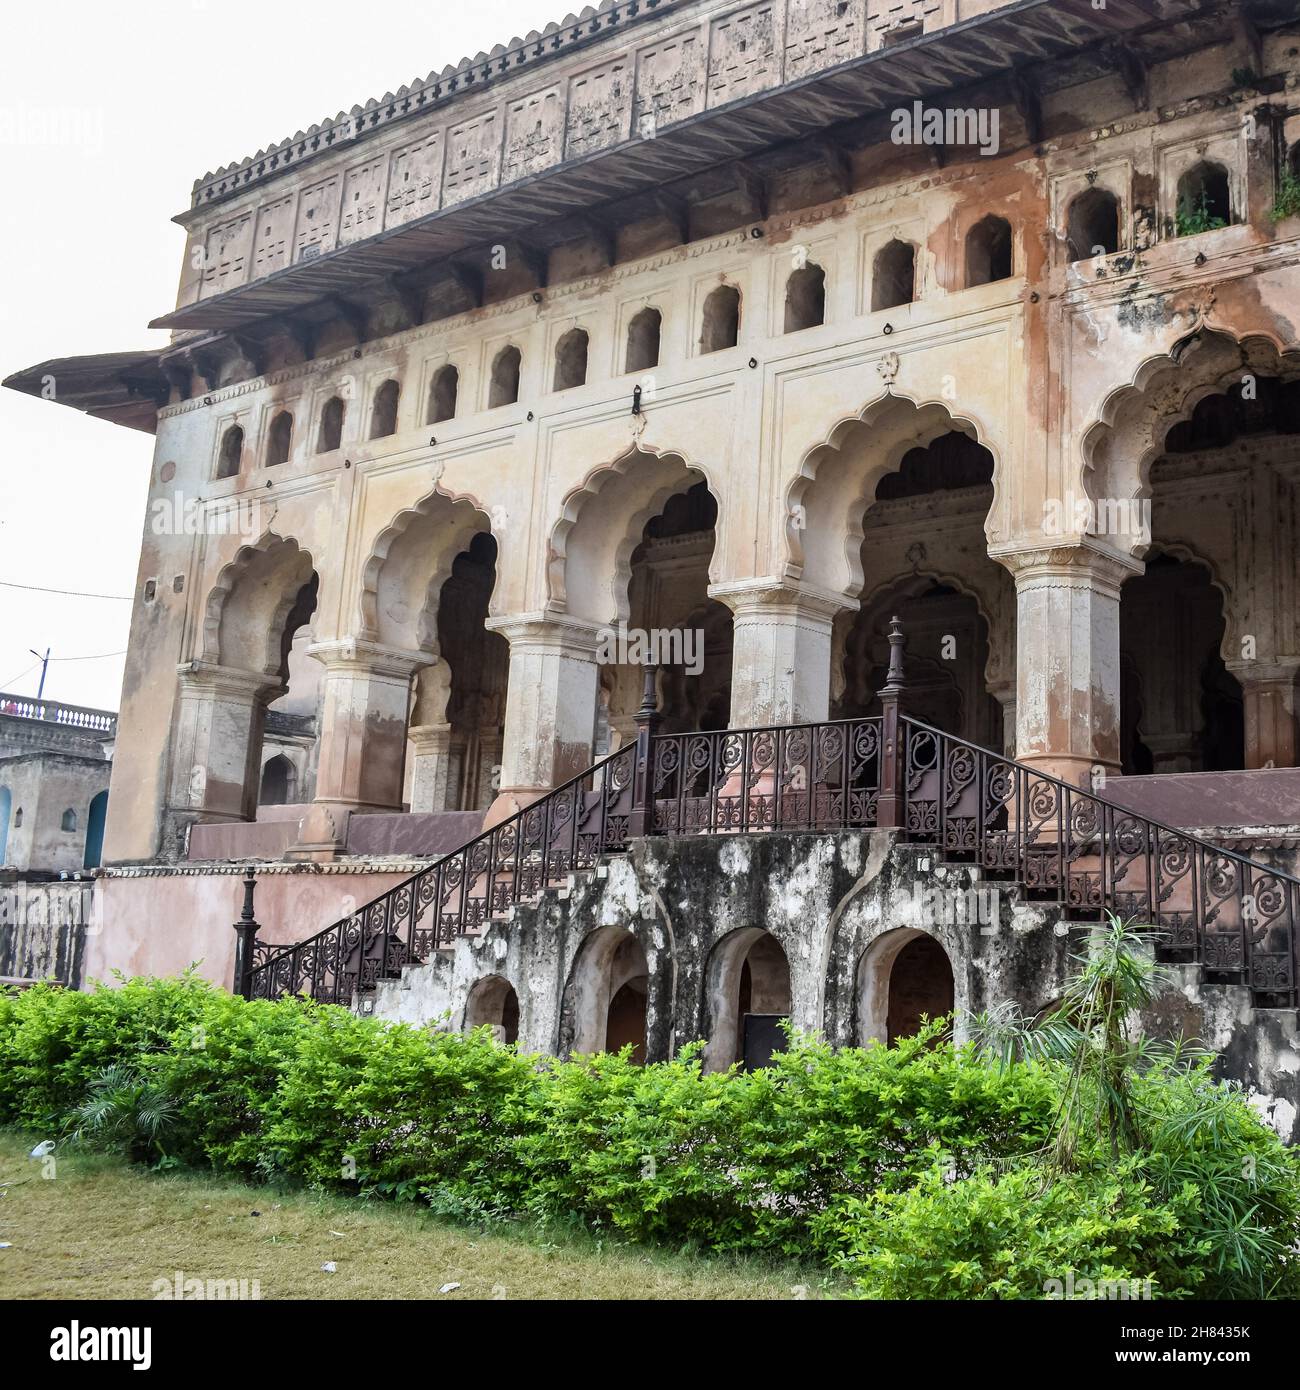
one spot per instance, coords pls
(988, 251)
(331, 426)
(276, 786)
(893, 275)
(1092, 224)
(232, 452)
(1204, 199)
(503, 388)
(805, 298)
(279, 439)
(493, 1003)
(383, 413)
(643, 341)
(720, 328)
(442, 394)
(571, 360)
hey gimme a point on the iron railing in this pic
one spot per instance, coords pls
(1235, 917)
(793, 777)
(566, 831)
(1209, 905)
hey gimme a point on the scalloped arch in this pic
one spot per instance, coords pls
(281, 552)
(941, 420)
(1260, 350)
(470, 520)
(576, 502)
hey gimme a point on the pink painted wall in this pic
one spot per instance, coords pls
(160, 925)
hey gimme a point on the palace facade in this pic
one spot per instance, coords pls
(743, 329)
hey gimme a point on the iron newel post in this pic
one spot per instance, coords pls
(647, 721)
(245, 937)
(890, 813)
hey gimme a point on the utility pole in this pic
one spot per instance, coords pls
(45, 666)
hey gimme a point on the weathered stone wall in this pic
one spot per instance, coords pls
(43, 930)
(49, 789)
(840, 906)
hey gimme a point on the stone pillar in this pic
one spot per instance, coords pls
(433, 786)
(1268, 694)
(781, 651)
(1005, 695)
(490, 748)
(216, 758)
(550, 706)
(365, 699)
(1067, 658)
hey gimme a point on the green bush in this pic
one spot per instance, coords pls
(54, 1042)
(991, 1236)
(925, 1168)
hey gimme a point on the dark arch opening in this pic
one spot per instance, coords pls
(1185, 711)
(279, 439)
(721, 326)
(643, 341)
(331, 426)
(232, 452)
(1092, 225)
(493, 1003)
(277, 779)
(504, 388)
(1204, 199)
(920, 987)
(383, 414)
(442, 394)
(988, 251)
(805, 298)
(571, 360)
(893, 275)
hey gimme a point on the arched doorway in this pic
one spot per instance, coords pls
(1181, 708)
(479, 668)
(904, 978)
(427, 587)
(277, 782)
(493, 1003)
(688, 635)
(6, 813)
(259, 604)
(957, 606)
(749, 998)
(96, 816)
(607, 997)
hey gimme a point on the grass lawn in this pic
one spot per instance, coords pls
(101, 1229)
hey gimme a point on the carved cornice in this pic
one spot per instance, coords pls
(769, 597)
(1067, 566)
(361, 657)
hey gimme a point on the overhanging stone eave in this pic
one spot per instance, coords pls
(862, 86)
(124, 388)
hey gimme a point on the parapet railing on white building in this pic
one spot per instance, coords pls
(54, 712)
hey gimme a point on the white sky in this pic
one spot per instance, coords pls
(154, 93)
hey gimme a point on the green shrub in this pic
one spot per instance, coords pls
(991, 1236)
(1288, 196)
(56, 1041)
(397, 1109)
(647, 1150)
(929, 1170)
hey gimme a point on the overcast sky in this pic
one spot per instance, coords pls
(108, 113)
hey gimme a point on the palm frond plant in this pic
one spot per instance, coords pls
(125, 1110)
